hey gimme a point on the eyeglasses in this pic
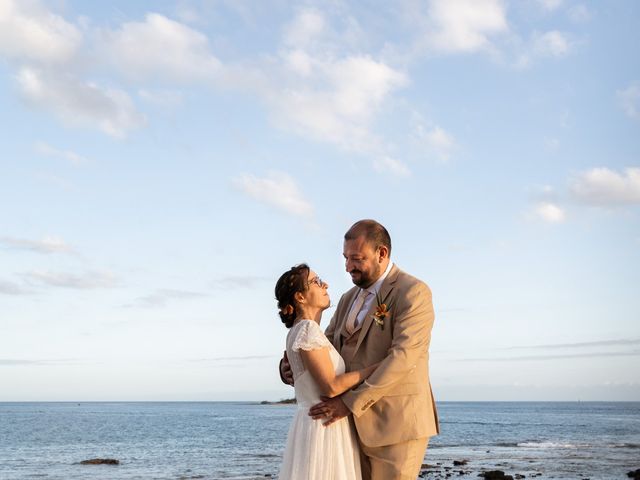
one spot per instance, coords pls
(317, 280)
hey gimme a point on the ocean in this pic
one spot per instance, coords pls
(242, 440)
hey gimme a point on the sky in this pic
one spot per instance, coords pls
(164, 162)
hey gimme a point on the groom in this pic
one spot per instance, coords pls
(387, 317)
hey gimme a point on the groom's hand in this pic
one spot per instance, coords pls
(330, 409)
(286, 374)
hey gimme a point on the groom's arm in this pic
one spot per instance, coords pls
(410, 343)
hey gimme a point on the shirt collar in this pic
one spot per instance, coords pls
(375, 288)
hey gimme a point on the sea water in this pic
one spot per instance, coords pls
(242, 440)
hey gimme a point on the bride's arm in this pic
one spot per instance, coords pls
(318, 362)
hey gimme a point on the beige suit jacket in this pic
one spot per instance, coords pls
(395, 403)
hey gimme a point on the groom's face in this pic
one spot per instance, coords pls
(362, 262)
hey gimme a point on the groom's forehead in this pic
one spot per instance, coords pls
(356, 245)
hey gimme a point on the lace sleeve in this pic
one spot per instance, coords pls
(310, 337)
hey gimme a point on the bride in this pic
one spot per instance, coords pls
(313, 451)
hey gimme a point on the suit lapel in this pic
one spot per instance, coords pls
(385, 289)
(342, 316)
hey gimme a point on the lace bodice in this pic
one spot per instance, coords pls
(307, 335)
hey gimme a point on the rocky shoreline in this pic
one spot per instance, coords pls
(459, 468)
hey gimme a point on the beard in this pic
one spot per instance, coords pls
(365, 279)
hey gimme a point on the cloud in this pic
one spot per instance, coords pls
(632, 353)
(579, 14)
(599, 343)
(162, 296)
(605, 187)
(19, 362)
(629, 100)
(162, 98)
(277, 189)
(46, 245)
(334, 100)
(436, 140)
(550, 5)
(392, 166)
(68, 155)
(464, 26)
(80, 103)
(11, 288)
(160, 48)
(30, 32)
(551, 44)
(86, 281)
(232, 359)
(308, 25)
(232, 282)
(550, 212)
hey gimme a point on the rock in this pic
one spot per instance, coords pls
(519, 475)
(458, 463)
(495, 475)
(635, 474)
(100, 461)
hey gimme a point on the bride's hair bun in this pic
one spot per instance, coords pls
(290, 282)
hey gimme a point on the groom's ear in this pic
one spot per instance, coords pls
(383, 252)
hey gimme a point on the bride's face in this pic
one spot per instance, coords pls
(316, 294)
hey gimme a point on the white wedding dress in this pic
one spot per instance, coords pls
(313, 451)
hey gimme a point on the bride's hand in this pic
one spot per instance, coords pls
(330, 409)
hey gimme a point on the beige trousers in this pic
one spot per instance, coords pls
(401, 461)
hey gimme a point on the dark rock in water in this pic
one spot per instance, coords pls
(458, 463)
(635, 474)
(100, 461)
(426, 465)
(495, 475)
(519, 476)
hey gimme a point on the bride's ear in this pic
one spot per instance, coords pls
(299, 297)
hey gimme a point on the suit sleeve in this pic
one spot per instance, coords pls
(410, 343)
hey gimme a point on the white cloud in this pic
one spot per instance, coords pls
(308, 25)
(550, 5)
(605, 187)
(629, 100)
(436, 140)
(46, 245)
(277, 189)
(579, 14)
(68, 155)
(80, 103)
(160, 48)
(464, 25)
(30, 32)
(11, 288)
(550, 212)
(162, 98)
(338, 104)
(551, 44)
(392, 166)
(84, 281)
(162, 296)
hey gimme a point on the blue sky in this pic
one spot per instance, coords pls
(164, 162)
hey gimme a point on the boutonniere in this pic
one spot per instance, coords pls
(383, 310)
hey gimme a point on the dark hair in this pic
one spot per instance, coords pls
(291, 282)
(374, 233)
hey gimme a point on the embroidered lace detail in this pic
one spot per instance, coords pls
(309, 337)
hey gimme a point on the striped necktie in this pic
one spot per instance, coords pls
(352, 319)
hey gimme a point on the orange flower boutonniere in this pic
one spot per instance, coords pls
(383, 310)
